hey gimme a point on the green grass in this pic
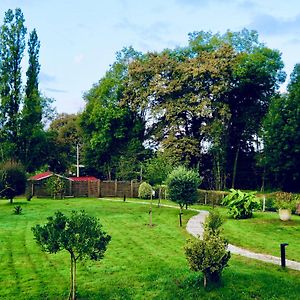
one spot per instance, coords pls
(141, 262)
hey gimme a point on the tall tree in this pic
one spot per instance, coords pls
(113, 134)
(281, 132)
(12, 45)
(31, 131)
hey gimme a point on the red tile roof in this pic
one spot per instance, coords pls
(83, 178)
(41, 176)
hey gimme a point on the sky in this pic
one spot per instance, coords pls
(80, 38)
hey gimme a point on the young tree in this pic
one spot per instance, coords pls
(81, 235)
(12, 45)
(209, 255)
(182, 185)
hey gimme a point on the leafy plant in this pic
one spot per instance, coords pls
(145, 190)
(210, 255)
(241, 204)
(18, 210)
(285, 200)
(81, 235)
(56, 186)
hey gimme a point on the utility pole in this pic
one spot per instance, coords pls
(77, 158)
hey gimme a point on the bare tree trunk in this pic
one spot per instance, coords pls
(204, 280)
(235, 166)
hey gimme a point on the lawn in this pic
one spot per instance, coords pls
(141, 262)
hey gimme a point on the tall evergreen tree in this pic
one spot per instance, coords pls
(31, 129)
(12, 45)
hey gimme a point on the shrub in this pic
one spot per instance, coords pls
(182, 186)
(56, 186)
(210, 255)
(285, 200)
(241, 204)
(17, 210)
(145, 190)
(12, 180)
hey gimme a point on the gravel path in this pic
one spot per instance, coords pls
(195, 227)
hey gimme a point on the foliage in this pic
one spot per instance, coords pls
(210, 255)
(18, 210)
(241, 204)
(12, 180)
(281, 134)
(145, 190)
(56, 186)
(182, 185)
(112, 132)
(81, 235)
(284, 200)
(12, 45)
(157, 169)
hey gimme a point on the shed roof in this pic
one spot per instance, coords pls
(41, 176)
(83, 178)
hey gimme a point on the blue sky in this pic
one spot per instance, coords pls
(79, 38)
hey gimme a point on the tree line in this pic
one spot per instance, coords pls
(213, 105)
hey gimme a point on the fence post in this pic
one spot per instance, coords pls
(131, 188)
(116, 187)
(98, 188)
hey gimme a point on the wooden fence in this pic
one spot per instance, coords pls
(95, 188)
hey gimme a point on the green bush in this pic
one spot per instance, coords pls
(210, 255)
(145, 190)
(12, 180)
(285, 200)
(56, 186)
(182, 185)
(240, 204)
(211, 197)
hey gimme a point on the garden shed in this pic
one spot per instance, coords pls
(38, 184)
(85, 186)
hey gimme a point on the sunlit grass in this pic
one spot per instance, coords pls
(141, 262)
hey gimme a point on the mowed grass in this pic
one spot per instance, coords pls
(141, 262)
(263, 233)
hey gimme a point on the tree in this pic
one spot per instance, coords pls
(281, 136)
(209, 255)
(81, 235)
(112, 132)
(12, 45)
(157, 168)
(12, 180)
(182, 185)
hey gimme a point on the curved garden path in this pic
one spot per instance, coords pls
(195, 228)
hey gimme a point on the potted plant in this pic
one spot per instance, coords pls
(285, 203)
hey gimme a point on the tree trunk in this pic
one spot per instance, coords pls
(204, 281)
(71, 278)
(235, 167)
(74, 280)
